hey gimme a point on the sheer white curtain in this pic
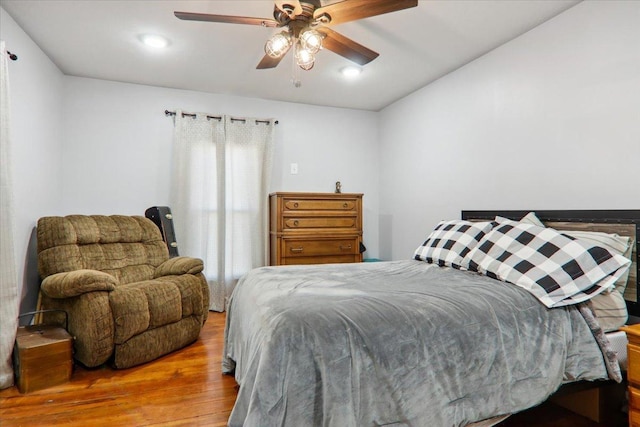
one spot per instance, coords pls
(9, 302)
(219, 200)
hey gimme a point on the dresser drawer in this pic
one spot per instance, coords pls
(300, 204)
(317, 247)
(633, 361)
(315, 228)
(634, 418)
(340, 222)
(634, 398)
(325, 259)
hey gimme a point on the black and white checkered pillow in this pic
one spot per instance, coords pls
(450, 241)
(557, 269)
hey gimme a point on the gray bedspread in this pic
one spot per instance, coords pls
(400, 343)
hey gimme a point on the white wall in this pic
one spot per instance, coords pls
(91, 146)
(36, 93)
(550, 120)
(117, 147)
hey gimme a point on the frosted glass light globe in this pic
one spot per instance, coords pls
(305, 59)
(278, 45)
(311, 41)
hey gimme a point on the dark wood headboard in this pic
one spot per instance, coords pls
(621, 222)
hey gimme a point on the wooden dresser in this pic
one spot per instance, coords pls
(315, 228)
(633, 373)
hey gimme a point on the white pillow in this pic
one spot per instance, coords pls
(532, 218)
(557, 269)
(450, 241)
(620, 245)
(610, 308)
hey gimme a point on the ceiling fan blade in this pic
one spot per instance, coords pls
(346, 47)
(205, 17)
(269, 62)
(351, 10)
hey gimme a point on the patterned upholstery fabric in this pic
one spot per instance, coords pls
(450, 241)
(557, 269)
(126, 247)
(128, 302)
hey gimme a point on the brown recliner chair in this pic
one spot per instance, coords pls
(125, 297)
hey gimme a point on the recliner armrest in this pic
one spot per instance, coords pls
(77, 282)
(179, 265)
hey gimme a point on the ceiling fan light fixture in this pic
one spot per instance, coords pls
(307, 67)
(278, 44)
(311, 40)
(306, 28)
(304, 58)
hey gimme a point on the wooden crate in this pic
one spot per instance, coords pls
(43, 357)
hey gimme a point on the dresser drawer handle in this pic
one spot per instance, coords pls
(296, 250)
(345, 248)
(295, 205)
(345, 205)
(295, 223)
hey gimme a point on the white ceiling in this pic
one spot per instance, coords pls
(99, 39)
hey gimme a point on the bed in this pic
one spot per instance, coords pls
(412, 342)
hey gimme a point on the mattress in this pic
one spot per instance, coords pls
(618, 340)
(438, 359)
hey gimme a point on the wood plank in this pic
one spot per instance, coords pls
(186, 387)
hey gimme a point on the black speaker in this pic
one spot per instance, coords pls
(161, 216)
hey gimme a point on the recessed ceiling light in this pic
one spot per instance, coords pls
(154, 40)
(351, 71)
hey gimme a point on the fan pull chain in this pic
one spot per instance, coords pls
(295, 70)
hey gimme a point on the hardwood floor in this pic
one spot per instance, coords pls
(185, 388)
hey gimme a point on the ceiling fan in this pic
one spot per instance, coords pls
(305, 25)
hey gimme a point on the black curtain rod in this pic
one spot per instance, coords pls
(233, 119)
(12, 56)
